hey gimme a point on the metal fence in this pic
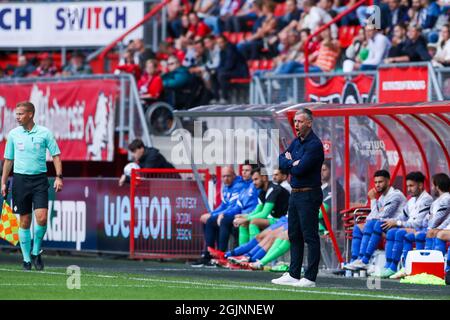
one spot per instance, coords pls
(290, 88)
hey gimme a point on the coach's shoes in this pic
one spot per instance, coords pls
(305, 283)
(285, 279)
(26, 266)
(37, 262)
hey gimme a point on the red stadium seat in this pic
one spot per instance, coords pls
(346, 35)
(280, 9)
(240, 80)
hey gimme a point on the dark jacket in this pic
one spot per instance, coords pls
(153, 159)
(232, 61)
(416, 51)
(310, 153)
(177, 79)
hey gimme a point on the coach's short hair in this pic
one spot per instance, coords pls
(136, 144)
(382, 173)
(307, 112)
(284, 171)
(26, 104)
(442, 181)
(416, 176)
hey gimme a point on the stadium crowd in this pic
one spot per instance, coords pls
(215, 44)
(254, 210)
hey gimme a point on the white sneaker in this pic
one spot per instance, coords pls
(305, 283)
(285, 279)
(351, 266)
(358, 264)
(400, 274)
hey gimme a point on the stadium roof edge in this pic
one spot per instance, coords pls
(318, 109)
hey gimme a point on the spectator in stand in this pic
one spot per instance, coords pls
(322, 60)
(414, 12)
(46, 67)
(414, 48)
(23, 68)
(77, 66)
(442, 57)
(251, 47)
(141, 53)
(356, 52)
(167, 49)
(398, 14)
(292, 14)
(228, 8)
(129, 66)
(428, 17)
(232, 65)
(150, 85)
(207, 8)
(197, 28)
(175, 9)
(207, 61)
(350, 19)
(398, 41)
(180, 27)
(368, 14)
(378, 46)
(315, 16)
(245, 17)
(176, 79)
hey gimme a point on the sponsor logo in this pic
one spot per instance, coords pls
(15, 19)
(153, 217)
(91, 18)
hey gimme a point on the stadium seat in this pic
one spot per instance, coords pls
(346, 35)
(280, 9)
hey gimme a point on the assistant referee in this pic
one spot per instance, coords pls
(26, 147)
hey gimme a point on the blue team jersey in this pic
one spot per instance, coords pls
(230, 195)
(247, 200)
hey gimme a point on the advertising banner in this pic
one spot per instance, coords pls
(403, 84)
(65, 24)
(339, 90)
(94, 215)
(79, 113)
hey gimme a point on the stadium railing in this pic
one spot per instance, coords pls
(291, 88)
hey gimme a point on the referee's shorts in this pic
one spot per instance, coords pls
(29, 192)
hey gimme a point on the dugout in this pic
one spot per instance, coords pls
(358, 139)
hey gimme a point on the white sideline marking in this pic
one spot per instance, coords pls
(205, 285)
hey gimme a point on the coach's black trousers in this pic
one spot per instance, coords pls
(303, 227)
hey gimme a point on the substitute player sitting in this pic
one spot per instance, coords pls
(273, 204)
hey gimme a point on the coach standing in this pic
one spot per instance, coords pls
(303, 159)
(26, 147)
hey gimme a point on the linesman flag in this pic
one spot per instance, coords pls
(9, 227)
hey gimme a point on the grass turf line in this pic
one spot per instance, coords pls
(51, 284)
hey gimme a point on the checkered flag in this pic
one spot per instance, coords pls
(9, 226)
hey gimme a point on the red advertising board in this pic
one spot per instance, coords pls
(93, 214)
(339, 90)
(79, 113)
(406, 84)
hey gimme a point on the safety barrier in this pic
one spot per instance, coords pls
(340, 87)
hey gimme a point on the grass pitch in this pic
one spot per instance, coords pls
(122, 279)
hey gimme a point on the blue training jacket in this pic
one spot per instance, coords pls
(247, 200)
(230, 195)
